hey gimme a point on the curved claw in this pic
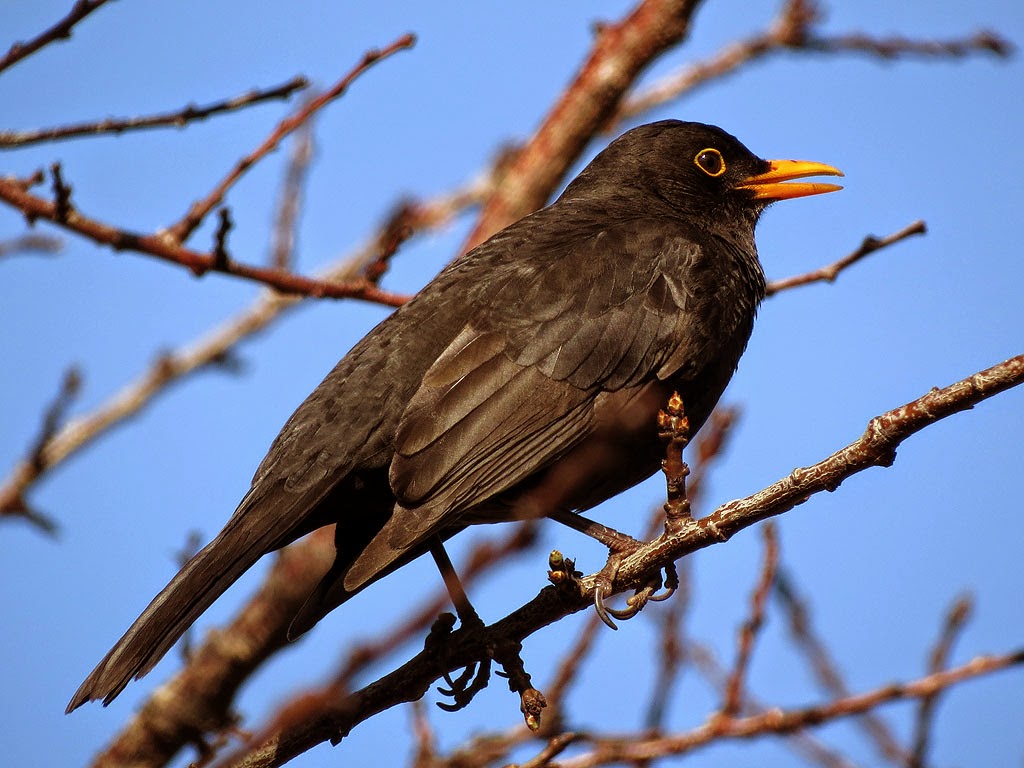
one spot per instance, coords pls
(465, 687)
(671, 584)
(602, 591)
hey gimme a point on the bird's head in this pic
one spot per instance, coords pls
(692, 168)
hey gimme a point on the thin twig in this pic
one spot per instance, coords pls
(830, 272)
(177, 119)
(30, 244)
(794, 31)
(65, 215)
(180, 232)
(800, 741)
(218, 344)
(875, 448)
(15, 505)
(752, 626)
(956, 619)
(59, 31)
(827, 672)
(776, 721)
(282, 249)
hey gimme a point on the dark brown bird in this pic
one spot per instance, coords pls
(523, 381)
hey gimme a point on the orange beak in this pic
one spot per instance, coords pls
(771, 185)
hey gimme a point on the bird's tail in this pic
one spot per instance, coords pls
(201, 581)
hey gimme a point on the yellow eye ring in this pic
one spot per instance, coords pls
(710, 161)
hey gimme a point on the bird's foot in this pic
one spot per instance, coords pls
(636, 602)
(474, 677)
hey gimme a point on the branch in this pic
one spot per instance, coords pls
(733, 699)
(196, 705)
(829, 273)
(775, 721)
(956, 618)
(180, 232)
(794, 30)
(178, 119)
(827, 673)
(59, 31)
(620, 53)
(15, 505)
(30, 244)
(875, 448)
(218, 344)
(62, 213)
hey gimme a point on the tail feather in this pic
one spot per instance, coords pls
(203, 579)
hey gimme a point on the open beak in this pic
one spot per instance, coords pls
(771, 185)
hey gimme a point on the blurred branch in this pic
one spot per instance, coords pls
(217, 345)
(955, 621)
(620, 53)
(59, 31)
(778, 721)
(13, 503)
(63, 213)
(827, 672)
(282, 249)
(794, 30)
(875, 448)
(829, 273)
(733, 699)
(30, 244)
(180, 232)
(178, 119)
(800, 741)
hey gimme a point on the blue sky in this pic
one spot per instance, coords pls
(880, 560)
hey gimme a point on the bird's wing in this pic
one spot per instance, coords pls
(516, 389)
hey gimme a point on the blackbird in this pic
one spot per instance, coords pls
(524, 381)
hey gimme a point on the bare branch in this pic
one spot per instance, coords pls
(621, 51)
(282, 250)
(59, 31)
(217, 344)
(14, 504)
(794, 31)
(875, 448)
(733, 700)
(177, 119)
(800, 741)
(180, 232)
(777, 721)
(827, 672)
(64, 214)
(829, 273)
(955, 621)
(30, 244)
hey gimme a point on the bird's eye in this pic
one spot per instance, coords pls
(710, 161)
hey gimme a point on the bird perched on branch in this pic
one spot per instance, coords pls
(524, 381)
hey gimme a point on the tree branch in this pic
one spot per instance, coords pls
(829, 273)
(62, 213)
(775, 721)
(218, 344)
(621, 52)
(180, 232)
(875, 448)
(59, 31)
(177, 119)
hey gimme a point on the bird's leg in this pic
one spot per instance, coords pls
(463, 608)
(674, 429)
(473, 678)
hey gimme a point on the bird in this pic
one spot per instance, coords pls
(522, 382)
